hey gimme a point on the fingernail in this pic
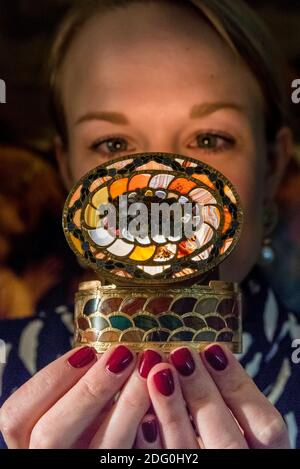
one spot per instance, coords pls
(183, 361)
(164, 382)
(216, 358)
(82, 357)
(149, 359)
(150, 431)
(119, 359)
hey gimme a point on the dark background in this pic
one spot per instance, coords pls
(26, 30)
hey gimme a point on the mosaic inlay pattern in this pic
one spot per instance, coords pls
(151, 178)
(146, 303)
(173, 316)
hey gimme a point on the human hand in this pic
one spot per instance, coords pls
(71, 402)
(228, 410)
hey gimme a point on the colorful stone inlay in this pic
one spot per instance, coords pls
(176, 316)
(163, 258)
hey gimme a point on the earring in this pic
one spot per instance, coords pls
(267, 253)
(270, 220)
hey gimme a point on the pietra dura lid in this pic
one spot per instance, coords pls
(130, 219)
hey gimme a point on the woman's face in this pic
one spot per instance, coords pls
(155, 77)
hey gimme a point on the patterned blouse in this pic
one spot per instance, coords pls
(269, 358)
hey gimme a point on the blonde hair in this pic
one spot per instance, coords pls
(233, 20)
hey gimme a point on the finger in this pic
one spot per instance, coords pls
(261, 422)
(148, 436)
(174, 423)
(86, 437)
(212, 418)
(25, 407)
(77, 409)
(120, 427)
(200, 442)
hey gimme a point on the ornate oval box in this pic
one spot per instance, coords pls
(154, 227)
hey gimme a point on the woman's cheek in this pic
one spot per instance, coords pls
(240, 262)
(237, 266)
(82, 161)
(81, 168)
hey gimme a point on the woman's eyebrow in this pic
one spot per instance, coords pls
(204, 109)
(110, 116)
(198, 110)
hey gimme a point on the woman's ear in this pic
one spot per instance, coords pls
(279, 155)
(63, 161)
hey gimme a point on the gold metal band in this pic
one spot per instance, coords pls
(158, 317)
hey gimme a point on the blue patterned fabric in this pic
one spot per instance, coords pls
(269, 331)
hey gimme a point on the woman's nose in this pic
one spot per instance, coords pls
(162, 147)
(158, 137)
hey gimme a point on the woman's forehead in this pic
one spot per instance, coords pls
(111, 61)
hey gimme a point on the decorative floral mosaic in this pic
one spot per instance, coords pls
(150, 178)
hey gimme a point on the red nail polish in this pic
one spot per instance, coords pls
(149, 359)
(82, 357)
(183, 361)
(119, 359)
(164, 382)
(149, 431)
(216, 358)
